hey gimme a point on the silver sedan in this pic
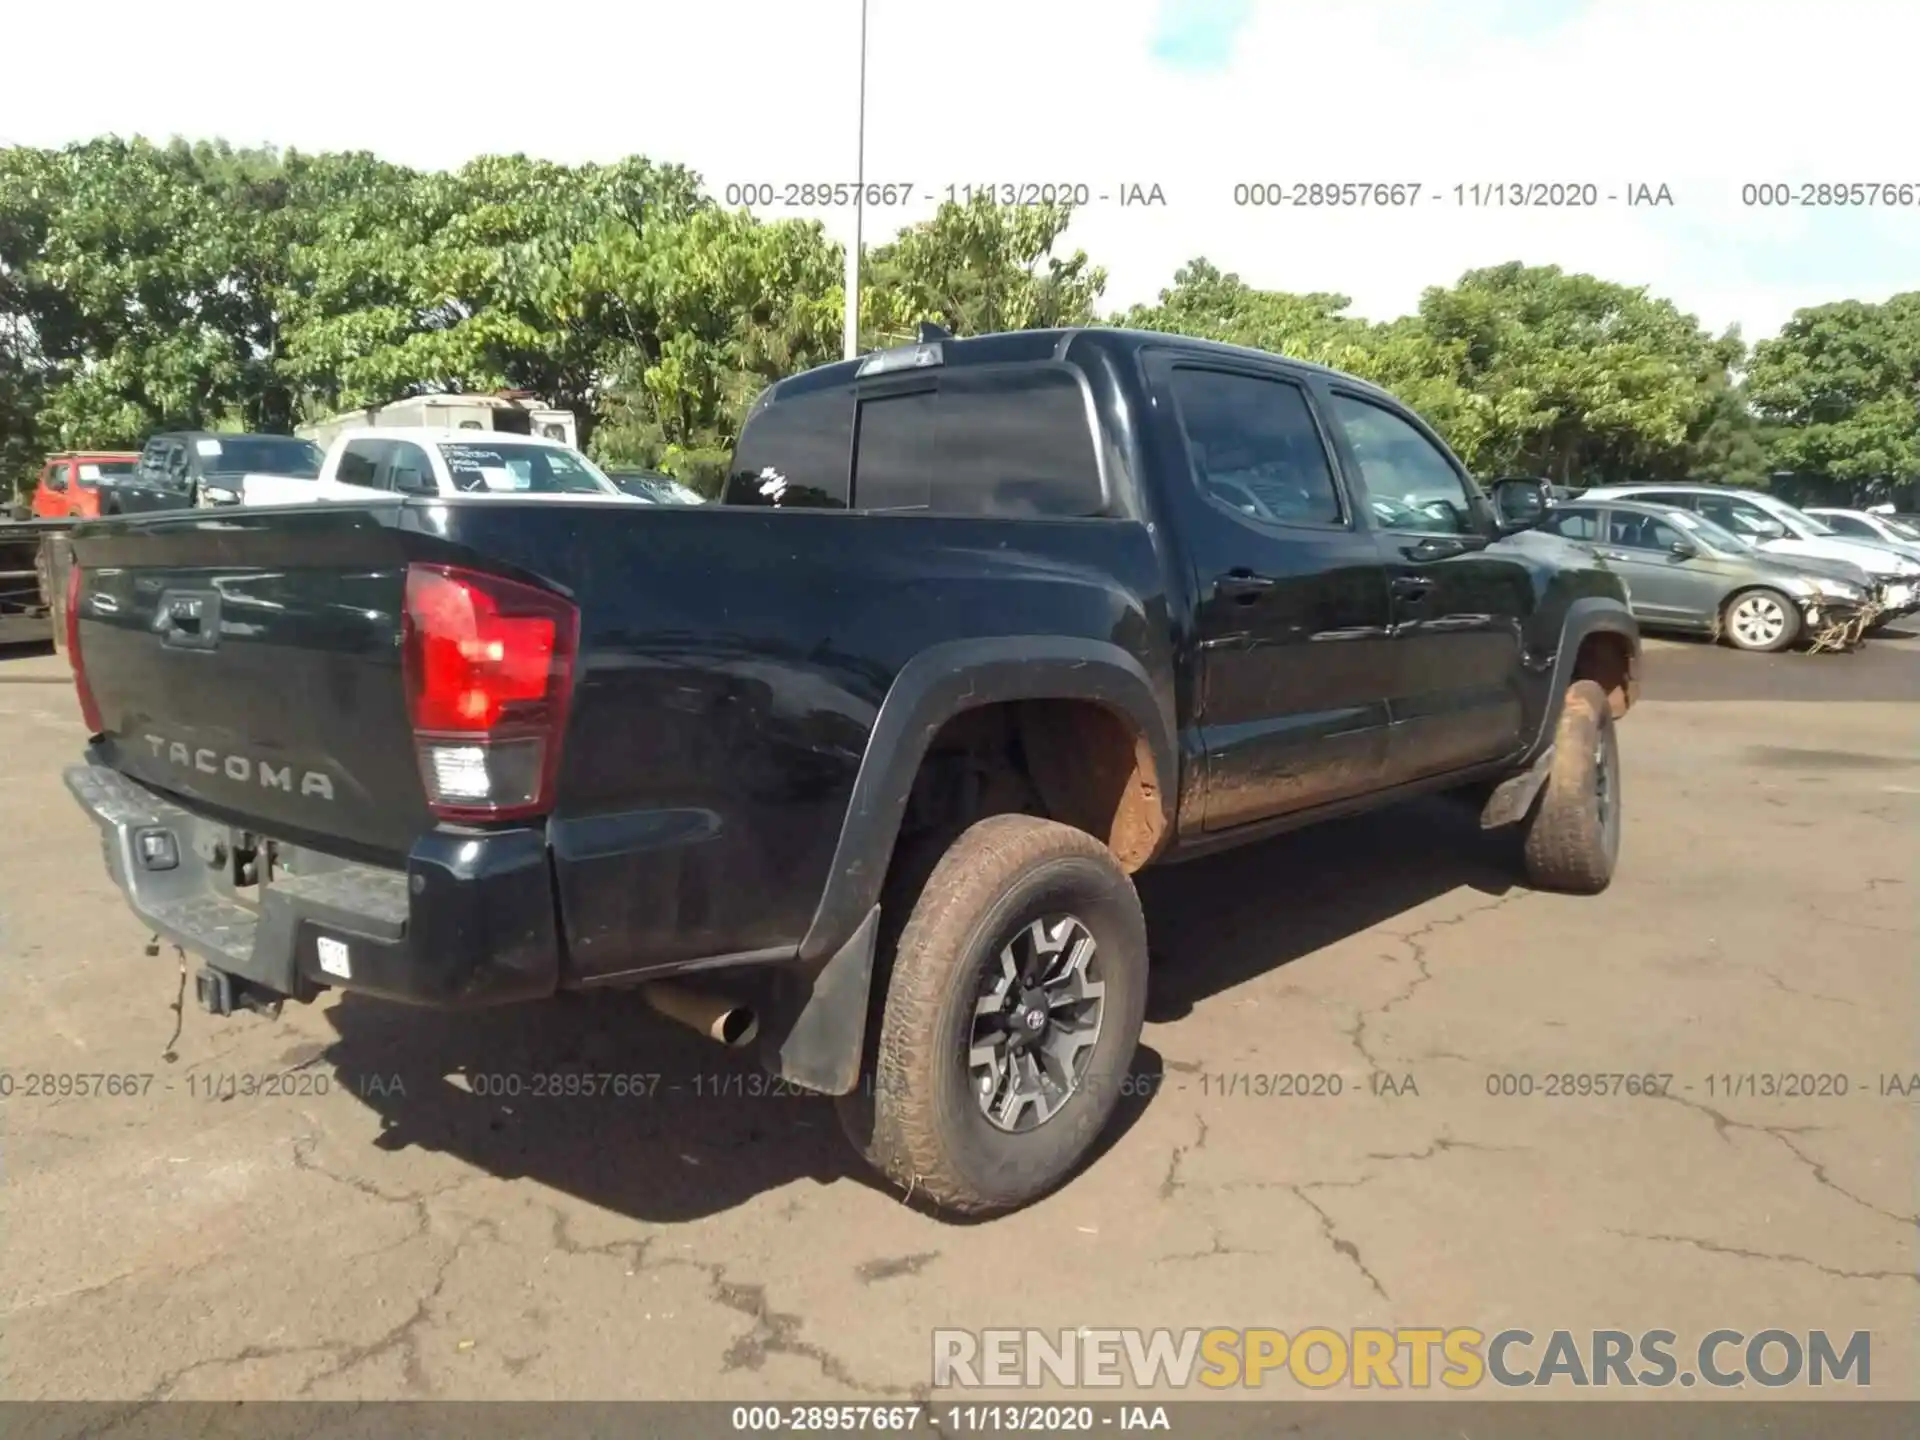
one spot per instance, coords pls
(1684, 572)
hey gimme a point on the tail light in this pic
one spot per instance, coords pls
(489, 671)
(89, 707)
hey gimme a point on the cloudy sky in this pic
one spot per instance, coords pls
(1194, 96)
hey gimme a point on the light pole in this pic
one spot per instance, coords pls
(851, 329)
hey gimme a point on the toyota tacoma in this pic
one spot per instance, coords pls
(858, 764)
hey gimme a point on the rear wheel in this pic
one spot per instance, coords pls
(1760, 620)
(1573, 832)
(1011, 1015)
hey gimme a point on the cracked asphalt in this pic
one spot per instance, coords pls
(369, 1223)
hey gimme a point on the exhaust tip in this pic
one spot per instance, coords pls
(719, 1018)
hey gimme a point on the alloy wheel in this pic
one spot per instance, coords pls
(1036, 1019)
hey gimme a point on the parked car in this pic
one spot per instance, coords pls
(1780, 529)
(1684, 572)
(69, 486)
(425, 460)
(200, 468)
(651, 485)
(872, 749)
(1889, 530)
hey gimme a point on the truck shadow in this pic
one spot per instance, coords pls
(598, 1097)
(674, 1127)
(1218, 922)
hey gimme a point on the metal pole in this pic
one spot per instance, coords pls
(851, 330)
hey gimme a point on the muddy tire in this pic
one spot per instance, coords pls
(1009, 1019)
(1763, 621)
(1573, 832)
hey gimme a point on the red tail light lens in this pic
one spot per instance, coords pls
(89, 707)
(489, 667)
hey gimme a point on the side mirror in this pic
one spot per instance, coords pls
(1769, 530)
(1684, 549)
(1520, 504)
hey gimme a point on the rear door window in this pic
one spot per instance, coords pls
(1255, 448)
(1015, 441)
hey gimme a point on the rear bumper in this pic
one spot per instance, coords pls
(469, 921)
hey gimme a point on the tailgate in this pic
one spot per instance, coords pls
(251, 664)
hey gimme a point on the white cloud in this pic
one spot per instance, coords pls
(1699, 94)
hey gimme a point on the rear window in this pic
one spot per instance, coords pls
(264, 454)
(92, 470)
(793, 453)
(1011, 442)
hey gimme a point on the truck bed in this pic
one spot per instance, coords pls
(732, 666)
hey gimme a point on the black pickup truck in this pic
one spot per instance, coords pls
(859, 762)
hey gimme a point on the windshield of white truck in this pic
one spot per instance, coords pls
(522, 469)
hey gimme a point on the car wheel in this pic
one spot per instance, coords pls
(1573, 831)
(1011, 1013)
(1761, 620)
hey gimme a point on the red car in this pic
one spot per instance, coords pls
(70, 484)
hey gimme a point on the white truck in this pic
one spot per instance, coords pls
(421, 460)
(511, 412)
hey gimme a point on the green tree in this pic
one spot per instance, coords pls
(1582, 379)
(977, 268)
(1841, 382)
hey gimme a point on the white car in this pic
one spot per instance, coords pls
(1777, 527)
(413, 460)
(1866, 525)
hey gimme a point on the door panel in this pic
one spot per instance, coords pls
(1665, 586)
(1291, 621)
(1459, 607)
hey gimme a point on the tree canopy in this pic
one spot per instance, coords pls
(152, 286)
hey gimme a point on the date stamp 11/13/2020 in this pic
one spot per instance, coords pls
(1282, 193)
(748, 1083)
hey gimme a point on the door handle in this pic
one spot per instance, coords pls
(1243, 587)
(1412, 587)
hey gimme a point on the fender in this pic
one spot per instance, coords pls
(817, 1021)
(820, 1003)
(1589, 615)
(939, 683)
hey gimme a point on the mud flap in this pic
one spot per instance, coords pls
(1513, 797)
(816, 1021)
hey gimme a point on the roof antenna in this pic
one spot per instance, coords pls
(930, 332)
